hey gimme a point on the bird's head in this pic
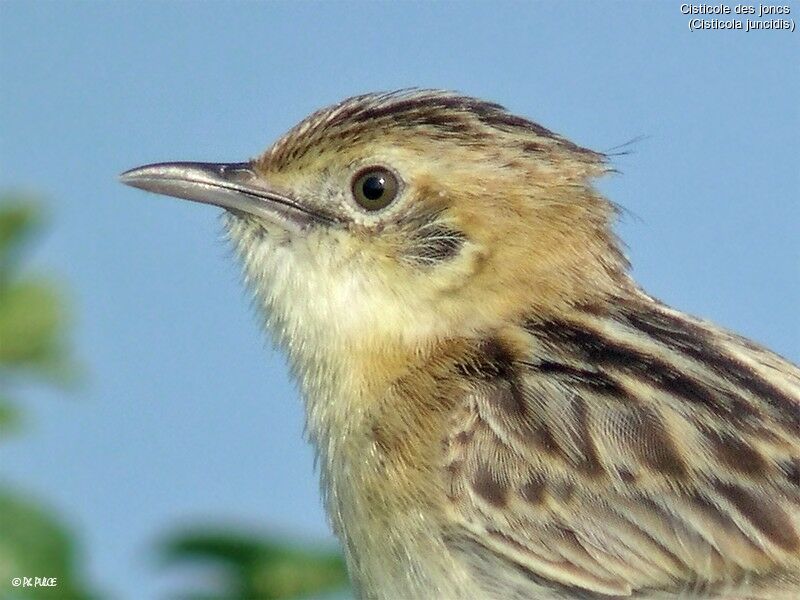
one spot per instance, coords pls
(409, 215)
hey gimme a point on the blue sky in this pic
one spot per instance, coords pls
(187, 415)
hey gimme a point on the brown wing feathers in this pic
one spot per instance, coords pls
(658, 452)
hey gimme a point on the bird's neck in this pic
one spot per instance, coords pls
(375, 412)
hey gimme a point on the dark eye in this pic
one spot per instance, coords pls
(374, 188)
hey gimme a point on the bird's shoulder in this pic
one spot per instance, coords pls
(624, 450)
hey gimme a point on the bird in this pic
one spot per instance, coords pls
(498, 409)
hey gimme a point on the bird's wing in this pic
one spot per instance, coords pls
(628, 451)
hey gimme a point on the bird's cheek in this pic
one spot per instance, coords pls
(461, 272)
(244, 229)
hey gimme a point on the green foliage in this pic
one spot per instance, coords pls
(19, 219)
(30, 322)
(9, 416)
(33, 543)
(257, 567)
(32, 319)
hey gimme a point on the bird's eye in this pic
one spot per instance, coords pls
(374, 188)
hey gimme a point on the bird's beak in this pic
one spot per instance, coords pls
(233, 186)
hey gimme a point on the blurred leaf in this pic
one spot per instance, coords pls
(9, 416)
(31, 322)
(258, 568)
(32, 343)
(20, 218)
(33, 544)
